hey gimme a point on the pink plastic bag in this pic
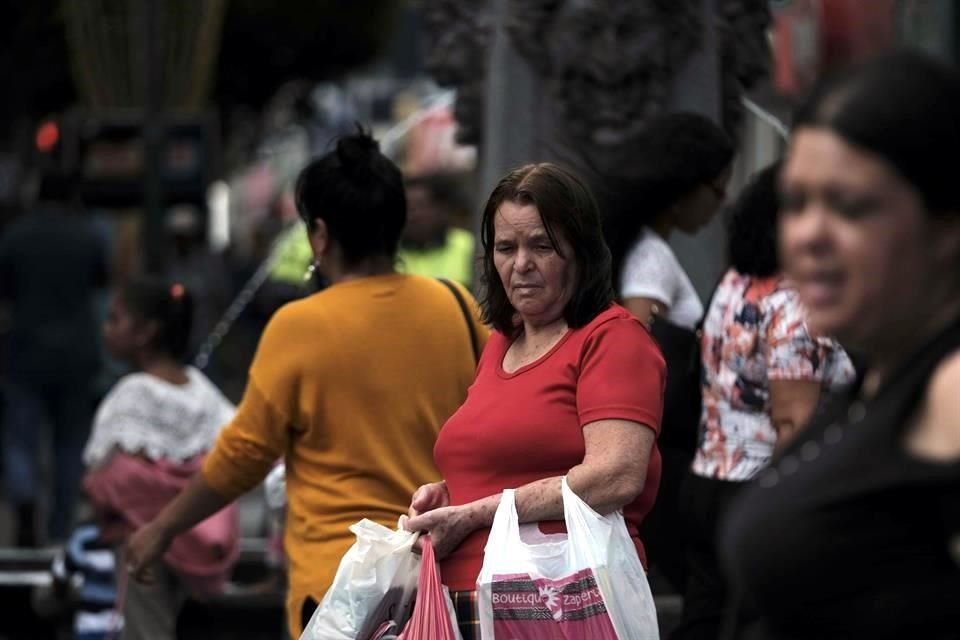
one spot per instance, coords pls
(571, 607)
(432, 614)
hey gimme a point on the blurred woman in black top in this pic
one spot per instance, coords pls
(854, 529)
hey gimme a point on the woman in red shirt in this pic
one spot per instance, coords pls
(569, 384)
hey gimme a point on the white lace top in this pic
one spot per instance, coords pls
(651, 270)
(147, 416)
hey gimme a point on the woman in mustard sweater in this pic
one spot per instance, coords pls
(350, 385)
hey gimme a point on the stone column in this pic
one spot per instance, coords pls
(511, 105)
(696, 87)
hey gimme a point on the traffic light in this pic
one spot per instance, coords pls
(47, 145)
(48, 135)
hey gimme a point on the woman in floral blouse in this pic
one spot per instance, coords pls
(763, 374)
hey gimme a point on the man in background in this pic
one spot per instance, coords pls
(53, 262)
(431, 245)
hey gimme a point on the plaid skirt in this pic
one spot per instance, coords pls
(468, 618)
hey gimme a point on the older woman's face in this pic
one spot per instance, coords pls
(855, 238)
(538, 280)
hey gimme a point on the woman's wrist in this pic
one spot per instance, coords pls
(165, 528)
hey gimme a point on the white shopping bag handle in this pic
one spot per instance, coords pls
(506, 523)
(585, 527)
(587, 530)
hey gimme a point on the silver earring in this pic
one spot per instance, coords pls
(311, 269)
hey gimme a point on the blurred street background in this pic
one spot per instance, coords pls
(178, 127)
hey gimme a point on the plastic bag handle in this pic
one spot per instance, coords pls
(585, 527)
(506, 523)
(588, 532)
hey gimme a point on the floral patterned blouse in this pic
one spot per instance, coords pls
(754, 332)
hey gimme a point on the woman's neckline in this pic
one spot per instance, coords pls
(502, 371)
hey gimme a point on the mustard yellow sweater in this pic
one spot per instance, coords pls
(350, 386)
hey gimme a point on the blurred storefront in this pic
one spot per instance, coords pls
(813, 37)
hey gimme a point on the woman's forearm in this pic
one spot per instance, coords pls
(197, 502)
(611, 475)
(543, 499)
(536, 501)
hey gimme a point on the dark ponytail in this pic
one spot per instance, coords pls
(167, 303)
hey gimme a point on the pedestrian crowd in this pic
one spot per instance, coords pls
(786, 456)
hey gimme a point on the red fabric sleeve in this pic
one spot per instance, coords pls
(622, 375)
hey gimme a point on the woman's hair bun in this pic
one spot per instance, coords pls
(358, 194)
(357, 152)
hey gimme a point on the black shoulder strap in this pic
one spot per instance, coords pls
(466, 316)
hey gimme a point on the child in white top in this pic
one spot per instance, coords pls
(149, 437)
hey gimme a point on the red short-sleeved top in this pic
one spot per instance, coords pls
(520, 427)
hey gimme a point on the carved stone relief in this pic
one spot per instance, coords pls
(744, 53)
(459, 34)
(608, 63)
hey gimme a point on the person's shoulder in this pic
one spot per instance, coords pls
(208, 389)
(938, 434)
(618, 321)
(130, 389)
(651, 270)
(617, 331)
(200, 379)
(435, 291)
(133, 381)
(337, 303)
(291, 322)
(651, 246)
(461, 288)
(782, 312)
(731, 278)
(773, 291)
(777, 299)
(301, 310)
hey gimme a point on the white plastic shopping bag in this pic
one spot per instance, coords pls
(587, 583)
(374, 588)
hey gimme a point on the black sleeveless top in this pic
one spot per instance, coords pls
(846, 535)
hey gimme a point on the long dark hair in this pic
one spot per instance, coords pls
(358, 192)
(752, 225)
(675, 154)
(169, 304)
(568, 209)
(904, 107)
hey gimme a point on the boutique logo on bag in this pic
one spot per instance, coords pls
(551, 597)
(571, 607)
